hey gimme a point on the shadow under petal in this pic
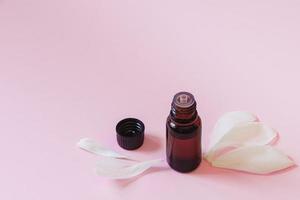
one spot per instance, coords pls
(205, 169)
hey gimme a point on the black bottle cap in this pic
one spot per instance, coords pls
(130, 133)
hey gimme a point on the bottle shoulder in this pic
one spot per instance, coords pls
(195, 123)
(184, 131)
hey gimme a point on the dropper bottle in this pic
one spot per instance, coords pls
(183, 134)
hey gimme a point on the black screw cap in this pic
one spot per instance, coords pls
(130, 133)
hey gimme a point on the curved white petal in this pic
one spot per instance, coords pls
(93, 147)
(254, 159)
(118, 170)
(227, 121)
(244, 134)
(249, 133)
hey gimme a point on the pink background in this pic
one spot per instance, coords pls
(74, 68)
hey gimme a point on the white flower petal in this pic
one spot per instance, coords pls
(244, 134)
(254, 159)
(119, 170)
(227, 121)
(93, 147)
(249, 133)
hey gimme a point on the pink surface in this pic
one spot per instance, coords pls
(72, 69)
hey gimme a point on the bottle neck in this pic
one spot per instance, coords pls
(183, 115)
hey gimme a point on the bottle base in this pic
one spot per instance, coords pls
(183, 166)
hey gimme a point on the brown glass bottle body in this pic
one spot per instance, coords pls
(183, 134)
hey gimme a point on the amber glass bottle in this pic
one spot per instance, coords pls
(183, 134)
